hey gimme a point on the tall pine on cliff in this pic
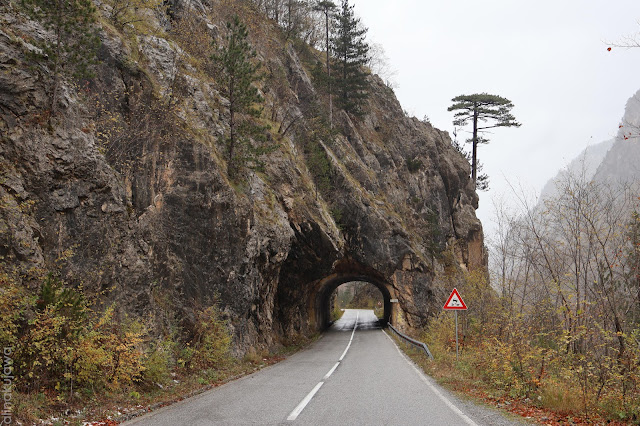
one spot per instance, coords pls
(237, 73)
(351, 54)
(327, 8)
(479, 108)
(74, 46)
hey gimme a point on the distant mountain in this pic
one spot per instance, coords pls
(587, 162)
(614, 160)
(622, 162)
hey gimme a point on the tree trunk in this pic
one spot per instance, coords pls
(56, 64)
(326, 16)
(232, 129)
(289, 17)
(475, 145)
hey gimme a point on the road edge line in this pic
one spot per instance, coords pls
(426, 380)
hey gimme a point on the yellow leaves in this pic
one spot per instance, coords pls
(106, 317)
(211, 342)
(57, 348)
(13, 301)
(107, 355)
(65, 255)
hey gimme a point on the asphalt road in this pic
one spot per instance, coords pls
(353, 375)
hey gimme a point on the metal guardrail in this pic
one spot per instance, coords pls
(414, 342)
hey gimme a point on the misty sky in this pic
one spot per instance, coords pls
(549, 58)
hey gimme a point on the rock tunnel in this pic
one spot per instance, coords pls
(308, 306)
(315, 267)
(308, 280)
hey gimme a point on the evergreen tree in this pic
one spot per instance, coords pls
(74, 46)
(481, 108)
(237, 72)
(295, 10)
(327, 8)
(350, 52)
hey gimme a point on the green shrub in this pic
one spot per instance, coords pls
(157, 365)
(60, 347)
(45, 346)
(66, 302)
(210, 346)
(337, 214)
(41, 353)
(414, 165)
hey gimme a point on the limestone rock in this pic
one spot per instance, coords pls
(156, 225)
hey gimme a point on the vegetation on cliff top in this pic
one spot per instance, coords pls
(72, 50)
(476, 109)
(238, 73)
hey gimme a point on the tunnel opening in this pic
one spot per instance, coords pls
(327, 293)
(357, 295)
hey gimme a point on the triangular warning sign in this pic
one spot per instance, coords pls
(455, 301)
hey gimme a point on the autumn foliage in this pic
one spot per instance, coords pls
(68, 350)
(562, 333)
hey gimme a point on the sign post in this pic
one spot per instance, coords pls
(455, 303)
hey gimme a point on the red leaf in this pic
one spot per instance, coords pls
(608, 49)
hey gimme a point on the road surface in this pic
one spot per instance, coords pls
(353, 375)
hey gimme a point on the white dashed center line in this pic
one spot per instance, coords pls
(296, 412)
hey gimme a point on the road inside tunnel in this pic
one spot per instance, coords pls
(322, 298)
(361, 319)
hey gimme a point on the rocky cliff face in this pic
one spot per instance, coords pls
(614, 162)
(586, 164)
(622, 162)
(127, 193)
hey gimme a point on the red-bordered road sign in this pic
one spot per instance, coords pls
(455, 302)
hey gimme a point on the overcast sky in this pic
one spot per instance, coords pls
(548, 57)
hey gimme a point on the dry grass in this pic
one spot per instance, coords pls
(558, 405)
(112, 407)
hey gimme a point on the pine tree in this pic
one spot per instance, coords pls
(481, 108)
(327, 8)
(237, 73)
(74, 46)
(350, 52)
(295, 10)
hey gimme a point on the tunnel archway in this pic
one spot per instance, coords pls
(356, 295)
(321, 298)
